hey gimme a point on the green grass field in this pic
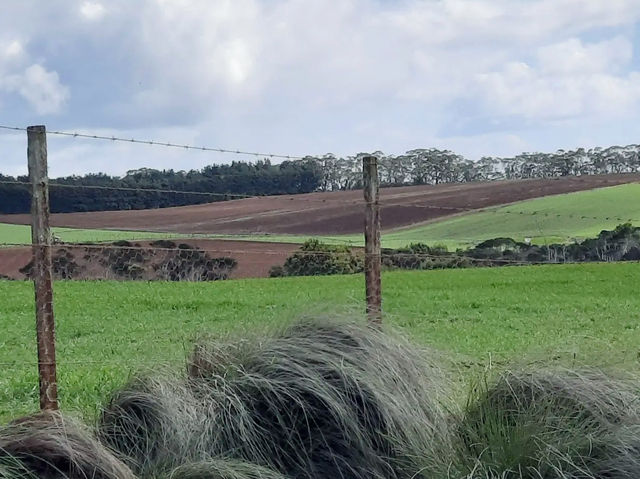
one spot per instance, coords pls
(107, 330)
(20, 234)
(558, 218)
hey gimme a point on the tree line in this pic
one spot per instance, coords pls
(326, 173)
(150, 188)
(433, 166)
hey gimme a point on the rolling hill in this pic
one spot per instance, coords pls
(557, 218)
(334, 213)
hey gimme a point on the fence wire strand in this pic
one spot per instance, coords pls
(159, 143)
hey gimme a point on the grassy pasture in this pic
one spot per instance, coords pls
(557, 218)
(586, 313)
(21, 234)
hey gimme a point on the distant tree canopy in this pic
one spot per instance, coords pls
(326, 173)
(167, 187)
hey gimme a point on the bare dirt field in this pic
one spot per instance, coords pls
(254, 259)
(328, 213)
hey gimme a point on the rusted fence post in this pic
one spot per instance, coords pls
(42, 276)
(372, 260)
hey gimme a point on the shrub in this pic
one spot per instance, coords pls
(190, 264)
(163, 244)
(276, 271)
(63, 264)
(551, 424)
(316, 258)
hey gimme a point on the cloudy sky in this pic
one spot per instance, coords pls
(480, 77)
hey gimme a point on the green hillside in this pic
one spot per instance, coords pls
(20, 234)
(557, 218)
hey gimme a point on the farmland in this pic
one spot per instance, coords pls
(328, 214)
(106, 330)
(555, 218)
(11, 234)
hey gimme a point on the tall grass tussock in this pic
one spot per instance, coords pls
(554, 423)
(50, 446)
(320, 399)
(326, 399)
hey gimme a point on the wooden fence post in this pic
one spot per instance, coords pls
(372, 259)
(42, 274)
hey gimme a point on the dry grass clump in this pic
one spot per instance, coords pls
(49, 446)
(560, 424)
(320, 399)
(223, 469)
(153, 423)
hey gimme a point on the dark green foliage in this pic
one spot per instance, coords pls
(63, 264)
(189, 264)
(260, 178)
(620, 244)
(131, 261)
(316, 258)
(421, 256)
(276, 271)
(163, 244)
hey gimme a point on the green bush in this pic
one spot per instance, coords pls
(316, 258)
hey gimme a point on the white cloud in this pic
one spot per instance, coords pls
(569, 79)
(11, 54)
(320, 75)
(41, 88)
(13, 50)
(92, 10)
(572, 56)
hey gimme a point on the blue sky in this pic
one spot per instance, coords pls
(480, 77)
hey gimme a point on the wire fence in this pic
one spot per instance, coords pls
(168, 144)
(177, 250)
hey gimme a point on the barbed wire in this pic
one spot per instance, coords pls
(160, 143)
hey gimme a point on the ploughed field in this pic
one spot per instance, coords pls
(102, 261)
(328, 213)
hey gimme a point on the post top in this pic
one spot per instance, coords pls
(36, 128)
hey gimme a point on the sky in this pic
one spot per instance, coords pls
(309, 77)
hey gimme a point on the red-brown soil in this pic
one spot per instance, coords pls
(329, 213)
(254, 258)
